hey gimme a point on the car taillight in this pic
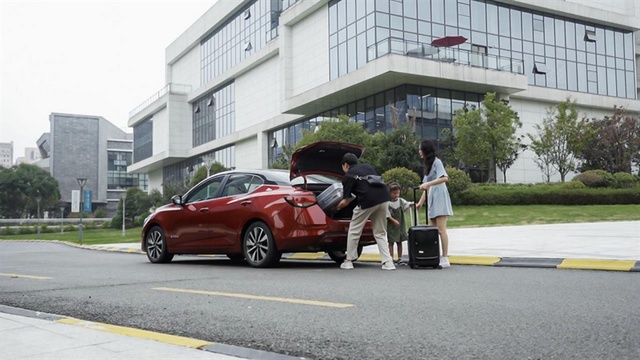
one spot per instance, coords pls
(301, 201)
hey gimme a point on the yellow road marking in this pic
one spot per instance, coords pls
(306, 256)
(593, 264)
(258, 297)
(142, 334)
(25, 276)
(370, 257)
(473, 260)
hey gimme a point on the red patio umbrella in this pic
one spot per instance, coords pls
(450, 40)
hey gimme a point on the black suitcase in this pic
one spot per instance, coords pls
(424, 243)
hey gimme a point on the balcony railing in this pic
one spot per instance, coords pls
(171, 88)
(444, 54)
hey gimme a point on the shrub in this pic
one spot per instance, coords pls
(7, 230)
(101, 213)
(571, 185)
(140, 218)
(70, 228)
(622, 180)
(591, 179)
(403, 176)
(459, 181)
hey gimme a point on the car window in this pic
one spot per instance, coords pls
(206, 191)
(256, 182)
(237, 184)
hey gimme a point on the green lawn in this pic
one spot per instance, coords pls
(464, 216)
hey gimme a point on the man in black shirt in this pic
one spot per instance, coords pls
(373, 199)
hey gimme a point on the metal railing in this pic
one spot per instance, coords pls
(443, 54)
(171, 88)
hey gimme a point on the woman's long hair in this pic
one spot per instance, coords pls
(428, 155)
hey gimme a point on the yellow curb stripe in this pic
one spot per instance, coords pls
(25, 276)
(593, 264)
(137, 333)
(474, 260)
(306, 256)
(258, 297)
(369, 257)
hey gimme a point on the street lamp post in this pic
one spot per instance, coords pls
(38, 199)
(124, 206)
(61, 219)
(81, 182)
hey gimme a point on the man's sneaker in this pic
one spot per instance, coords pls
(444, 261)
(388, 266)
(346, 265)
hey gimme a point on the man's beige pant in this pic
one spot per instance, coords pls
(378, 216)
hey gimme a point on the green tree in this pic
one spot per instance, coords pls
(615, 144)
(201, 173)
(560, 138)
(486, 136)
(284, 160)
(20, 186)
(398, 148)
(137, 202)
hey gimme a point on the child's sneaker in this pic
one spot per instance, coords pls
(346, 265)
(388, 266)
(444, 261)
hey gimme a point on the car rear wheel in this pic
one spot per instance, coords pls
(157, 246)
(259, 247)
(339, 256)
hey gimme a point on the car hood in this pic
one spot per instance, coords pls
(321, 158)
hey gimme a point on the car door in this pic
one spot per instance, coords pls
(232, 209)
(193, 232)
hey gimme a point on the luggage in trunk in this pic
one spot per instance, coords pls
(330, 197)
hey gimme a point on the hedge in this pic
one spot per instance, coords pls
(546, 195)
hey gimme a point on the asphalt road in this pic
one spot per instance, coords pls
(315, 310)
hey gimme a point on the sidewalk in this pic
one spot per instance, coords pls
(596, 246)
(26, 334)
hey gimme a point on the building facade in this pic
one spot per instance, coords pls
(6, 154)
(90, 147)
(31, 155)
(249, 76)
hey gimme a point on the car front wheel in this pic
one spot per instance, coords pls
(259, 247)
(157, 246)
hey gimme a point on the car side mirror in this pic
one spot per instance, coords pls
(177, 200)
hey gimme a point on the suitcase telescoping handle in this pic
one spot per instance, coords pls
(415, 204)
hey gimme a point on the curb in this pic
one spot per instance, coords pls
(191, 343)
(524, 262)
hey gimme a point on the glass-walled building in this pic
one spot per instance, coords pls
(249, 76)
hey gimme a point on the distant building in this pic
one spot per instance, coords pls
(250, 76)
(82, 146)
(6, 154)
(31, 155)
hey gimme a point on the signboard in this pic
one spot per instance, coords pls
(86, 201)
(75, 201)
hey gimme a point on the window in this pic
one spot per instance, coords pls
(590, 36)
(539, 68)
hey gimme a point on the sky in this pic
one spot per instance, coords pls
(85, 57)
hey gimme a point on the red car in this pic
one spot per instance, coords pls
(257, 215)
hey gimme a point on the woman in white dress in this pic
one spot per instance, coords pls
(435, 191)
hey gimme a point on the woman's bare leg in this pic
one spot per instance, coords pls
(441, 223)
